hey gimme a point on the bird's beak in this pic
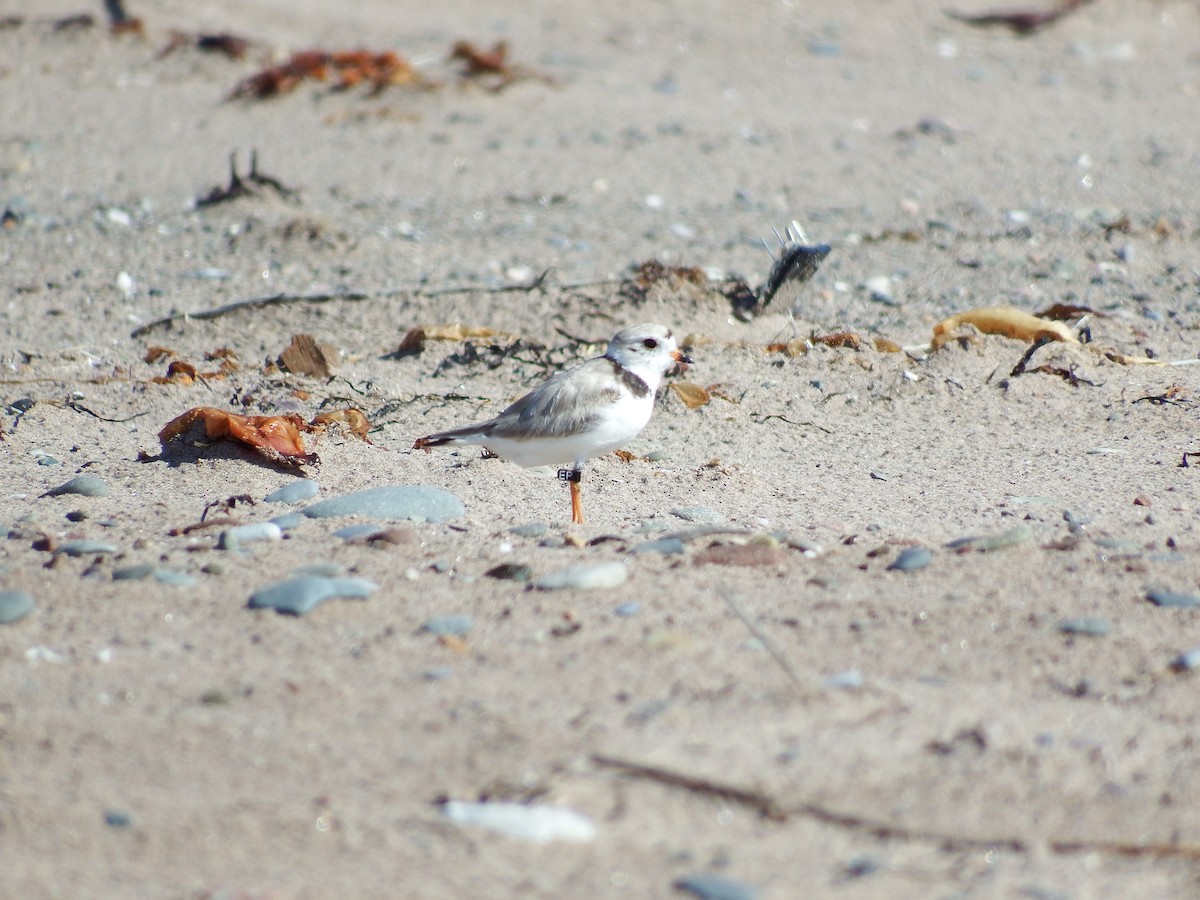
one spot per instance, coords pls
(680, 357)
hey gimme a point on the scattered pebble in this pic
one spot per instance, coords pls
(667, 546)
(84, 547)
(1163, 597)
(1184, 662)
(510, 572)
(439, 674)
(115, 818)
(650, 526)
(1018, 534)
(1085, 625)
(14, 605)
(172, 577)
(715, 887)
(418, 502)
(288, 521)
(454, 625)
(533, 529)
(85, 485)
(627, 609)
(297, 596)
(699, 515)
(585, 578)
(911, 559)
(233, 538)
(861, 866)
(133, 573)
(294, 492)
(851, 678)
(48, 461)
(658, 456)
(350, 532)
(539, 824)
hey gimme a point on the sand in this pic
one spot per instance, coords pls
(815, 724)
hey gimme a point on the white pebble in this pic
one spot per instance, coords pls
(539, 824)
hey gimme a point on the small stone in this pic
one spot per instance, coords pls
(233, 538)
(297, 596)
(861, 866)
(650, 526)
(851, 678)
(115, 818)
(454, 625)
(420, 503)
(585, 578)
(289, 521)
(510, 572)
(911, 559)
(666, 546)
(48, 461)
(76, 515)
(1019, 534)
(715, 887)
(658, 456)
(1163, 597)
(172, 577)
(15, 605)
(699, 515)
(1185, 662)
(438, 674)
(84, 485)
(627, 609)
(528, 822)
(133, 573)
(84, 547)
(294, 492)
(1085, 625)
(533, 529)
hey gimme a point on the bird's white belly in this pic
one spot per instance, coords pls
(614, 428)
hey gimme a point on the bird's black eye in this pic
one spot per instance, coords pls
(649, 343)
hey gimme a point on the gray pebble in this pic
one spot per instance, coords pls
(170, 576)
(1163, 597)
(533, 529)
(627, 609)
(350, 532)
(440, 674)
(851, 678)
(861, 866)
(715, 887)
(289, 521)
(297, 596)
(658, 456)
(1085, 625)
(510, 572)
(442, 566)
(667, 546)
(294, 492)
(85, 485)
(418, 502)
(14, 605)
(448, 625)
(115, 818)
(133, 573)
(233, 538)
(1184, 662)
(48, 461)
(700, 515)
(585, 578)
(84, 547)
(911, 559)
(650, 526)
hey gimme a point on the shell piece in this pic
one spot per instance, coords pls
(1004, 320)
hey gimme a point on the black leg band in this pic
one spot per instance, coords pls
(571, 475)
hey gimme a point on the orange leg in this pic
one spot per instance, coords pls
(576, 504)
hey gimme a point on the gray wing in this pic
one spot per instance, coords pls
(565, 405)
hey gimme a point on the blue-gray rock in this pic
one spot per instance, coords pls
(533, 529)
(297, 596)
(294, 492)
(85, 485)
(1085, 625)
(233, 538)
(350, 532)
(418, 502)
(1184, 662)
(716, 887)
(448, 625)
(510, 572)
(911, 559)
(172, 577)
(851, 678)
(699, 515)
(14, 605)
(84, 547)
(627, 609)
(439, 674)
(667, 546)
(1163, 597)
(115, 818)
(133, 573)
(289, 521)
(48, 461)
(586, 577)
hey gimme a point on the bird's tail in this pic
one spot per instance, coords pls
(446, 437)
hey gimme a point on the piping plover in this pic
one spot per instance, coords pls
(579, 413)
